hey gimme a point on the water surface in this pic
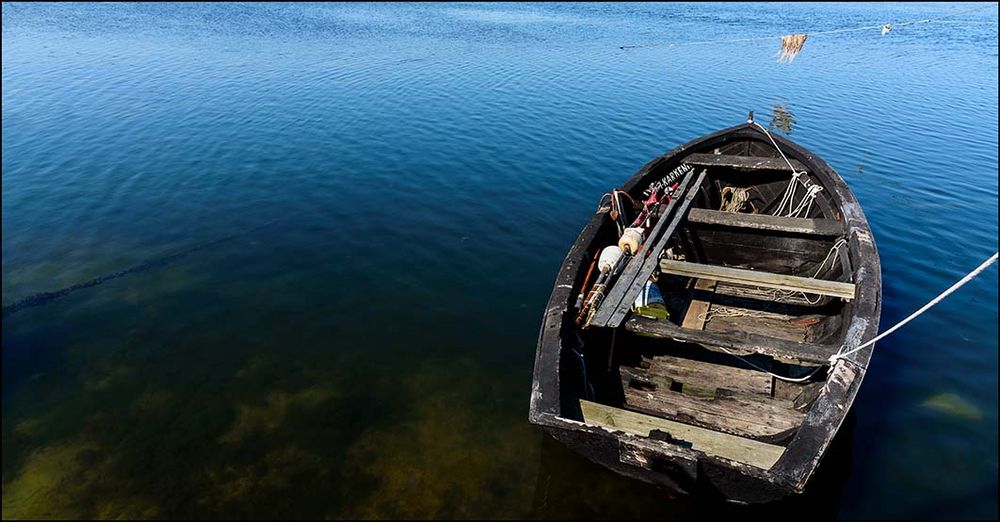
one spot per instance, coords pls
(348, 219)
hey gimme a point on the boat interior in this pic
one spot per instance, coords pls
(755, 267)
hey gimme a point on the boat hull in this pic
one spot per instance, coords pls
(682, 469)
(701, 478)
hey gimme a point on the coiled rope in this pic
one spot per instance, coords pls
(735, 198)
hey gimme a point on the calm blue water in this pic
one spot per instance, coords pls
(370, 203)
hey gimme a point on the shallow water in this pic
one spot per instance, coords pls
(371, 203)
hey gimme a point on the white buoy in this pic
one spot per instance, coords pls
(630, 240)
(609, 258)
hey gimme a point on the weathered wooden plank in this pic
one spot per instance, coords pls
(729, 290)
(724, 445)
(765, 279)
(628, 276)
(735, 341)
(708, 376)
(772, 325)
(746, 416)
(624, 306)
(765, 222)
(697, 309)
(742, 162)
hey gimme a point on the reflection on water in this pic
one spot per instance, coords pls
(782, 118)
(425, 169)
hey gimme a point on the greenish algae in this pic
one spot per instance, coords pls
(954, 405)
(449, 456)
(272, 414)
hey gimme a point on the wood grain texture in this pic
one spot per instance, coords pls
(764, 279)
(743, 415)
(739, 449)
(709, 376)
(742, 162)
(764, 222)
(735, 341)
(697, 310)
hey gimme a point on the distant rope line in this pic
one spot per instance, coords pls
(43, 298)
(834, 31)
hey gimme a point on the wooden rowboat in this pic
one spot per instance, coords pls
(767, 268)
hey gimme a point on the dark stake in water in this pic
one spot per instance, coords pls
(369, 354)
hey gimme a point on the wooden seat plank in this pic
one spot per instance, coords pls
(724, 445)
(742, 162)
(763, 279)
(739, 342)
(791, 225)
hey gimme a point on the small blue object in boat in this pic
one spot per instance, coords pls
(650, 302)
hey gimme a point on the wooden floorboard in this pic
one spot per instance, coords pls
(697, 311)
(777, 326)
(743, 415)
(707, 376)
(739, 449)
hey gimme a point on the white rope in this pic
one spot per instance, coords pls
(835, 249)
(842, 354)
(726, 311)
(775, 294)
(788, 199)
(805, 204)
(792, 168)
(788, 196)
(830, 256)
(776, 376)
(834, 31)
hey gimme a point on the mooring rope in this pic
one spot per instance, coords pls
(841, 354)
(961, 282)
(881, 27)
(43, 298)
